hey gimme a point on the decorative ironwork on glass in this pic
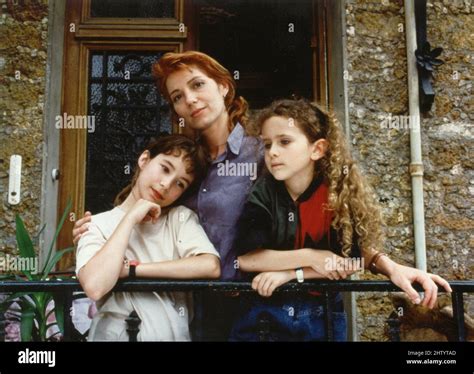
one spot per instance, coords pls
(132, 8)
(128, 112)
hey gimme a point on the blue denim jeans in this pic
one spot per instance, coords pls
(288, 318)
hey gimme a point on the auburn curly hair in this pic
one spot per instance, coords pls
(171, 62)
(351, 198)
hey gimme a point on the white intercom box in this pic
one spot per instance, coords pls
(15, 180)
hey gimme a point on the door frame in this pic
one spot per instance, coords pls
(83, 35)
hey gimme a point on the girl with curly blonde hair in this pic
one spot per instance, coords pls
(313, 216)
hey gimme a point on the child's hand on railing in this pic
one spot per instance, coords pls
(265, 283)
(332, 266)
(404, 277)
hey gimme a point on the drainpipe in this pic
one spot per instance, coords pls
(416, 164)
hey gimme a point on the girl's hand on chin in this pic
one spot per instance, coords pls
(144, 211)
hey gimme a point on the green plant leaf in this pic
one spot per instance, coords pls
(57, 256)
(26, 325)
(26, 302)
(16, 295)
(61, 223)
(42, 300)
(38, 300)
(59, 310)
(25, 245)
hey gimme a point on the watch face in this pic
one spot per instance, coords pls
(300, 275)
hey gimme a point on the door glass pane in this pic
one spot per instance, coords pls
(132, 8)
(267, 42)
(127, 111)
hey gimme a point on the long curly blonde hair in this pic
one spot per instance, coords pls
(352, 200)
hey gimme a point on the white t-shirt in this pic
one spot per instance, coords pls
(165, 316)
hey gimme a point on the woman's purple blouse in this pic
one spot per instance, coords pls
(223, 193)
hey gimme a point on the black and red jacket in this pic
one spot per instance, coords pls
(272, 220)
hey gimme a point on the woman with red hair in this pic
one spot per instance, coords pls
(202, 97)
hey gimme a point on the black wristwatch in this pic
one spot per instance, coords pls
(132, 268)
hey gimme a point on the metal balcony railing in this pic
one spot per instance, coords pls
(66, 288)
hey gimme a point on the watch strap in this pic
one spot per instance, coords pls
(300, 275)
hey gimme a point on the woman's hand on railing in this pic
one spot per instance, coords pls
(80, 227)
(404, 277)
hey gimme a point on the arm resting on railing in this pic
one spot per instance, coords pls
(317, 264)
(201, 266)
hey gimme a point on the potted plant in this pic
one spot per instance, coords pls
(34, 310)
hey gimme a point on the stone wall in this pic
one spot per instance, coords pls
(23, 52)
(378, 91)
(448, 142)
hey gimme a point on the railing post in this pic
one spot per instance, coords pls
(264, 327)
(3, 296)
(133, 321)
(66, 297)
(393, 327)
(198, 316)
(328, 309)
(458, 314)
